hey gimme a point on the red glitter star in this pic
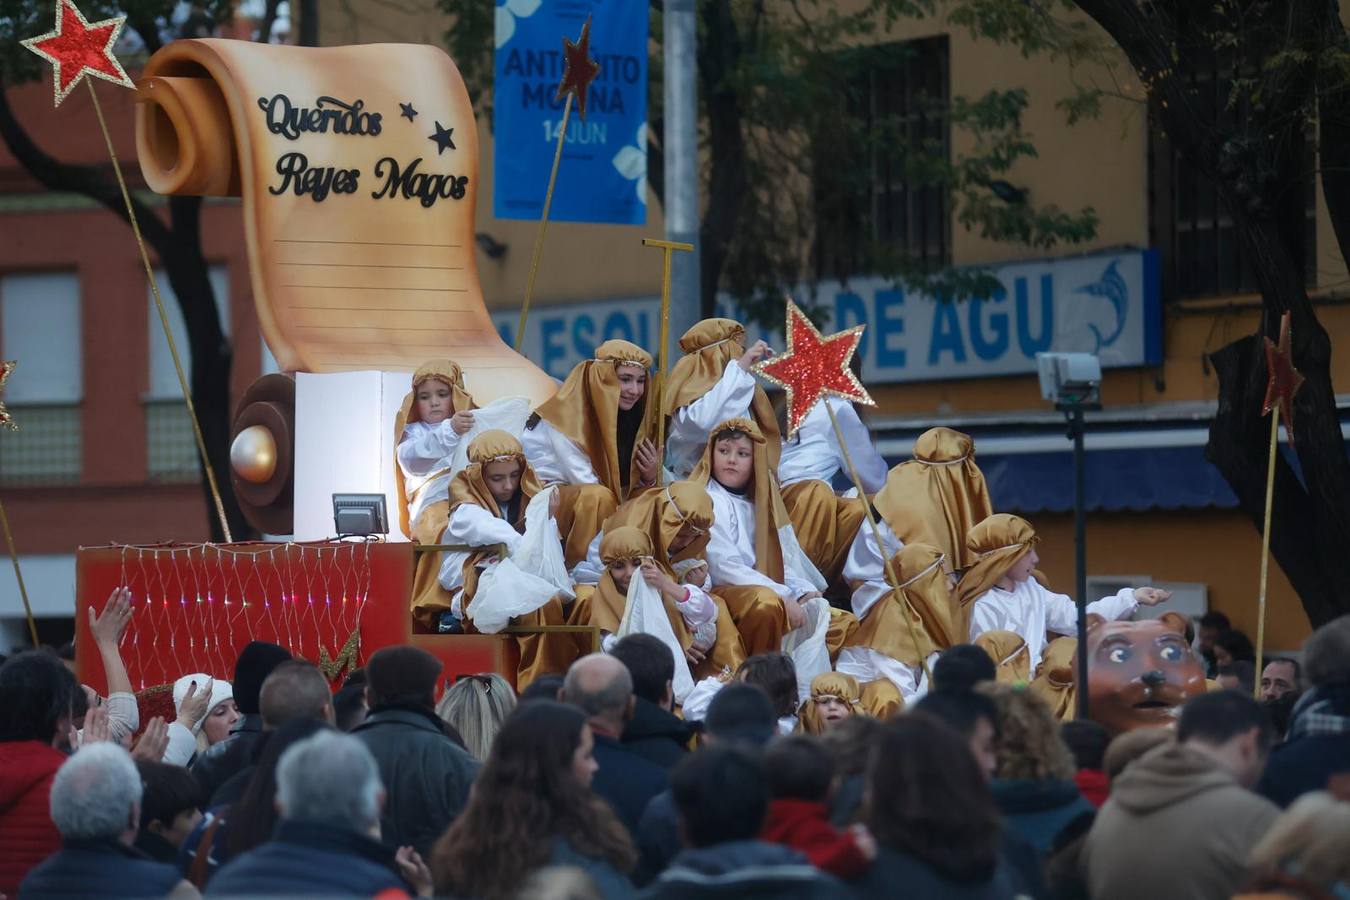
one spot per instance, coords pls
(6, 419)
(1284, 381)
(76, 47)
(579, 70)
(814, 366)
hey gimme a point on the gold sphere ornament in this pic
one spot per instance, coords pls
(253, 454)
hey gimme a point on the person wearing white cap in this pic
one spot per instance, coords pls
(206, 712)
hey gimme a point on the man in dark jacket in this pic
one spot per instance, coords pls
(601, 687)
(214, 766)
(95, 804)
(740, 715)
(654, 732)
(325, 844)
(722, 796)
(426, 775)
(1317, 748)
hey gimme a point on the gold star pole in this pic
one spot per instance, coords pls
(657, 393)
(1284, 382)
(579, 70)
(813, 368)
(7, 421)
(77, 48)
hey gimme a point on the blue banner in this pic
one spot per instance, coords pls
(1106, 303)
(603, 174)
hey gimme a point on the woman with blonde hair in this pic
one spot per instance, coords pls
(1033, 782)
(476, 705)
(1306, 853)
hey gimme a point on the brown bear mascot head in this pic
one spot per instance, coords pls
(1140, 673)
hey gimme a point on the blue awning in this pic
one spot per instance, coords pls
(1135, 480)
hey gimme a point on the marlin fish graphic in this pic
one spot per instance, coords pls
(1113, 288)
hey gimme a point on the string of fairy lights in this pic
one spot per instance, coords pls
(197, 603)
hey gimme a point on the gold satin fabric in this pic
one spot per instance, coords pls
(659, 514)
(995, 544)
(937, 497)
(1054, 680)
(770, 513)
(582, 510)
(909, 631)
(708, 346)
(1009, 652)
(826, 523)
(758, 616)
(881, 699)
(608, 603)
(429, 598)
(550, 654)
(586, 410)
(829, 684)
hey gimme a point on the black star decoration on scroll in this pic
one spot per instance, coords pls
(408, 112)
(442, 138)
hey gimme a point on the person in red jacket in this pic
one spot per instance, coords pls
(36, 692)
(801, 779)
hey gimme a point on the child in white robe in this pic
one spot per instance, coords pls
(710, 384)
(998, 592)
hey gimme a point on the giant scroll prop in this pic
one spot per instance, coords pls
(358, 169)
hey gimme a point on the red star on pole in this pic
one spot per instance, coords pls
(814, 366)
(6, 420)
(1284, 381)
(579, 70)
(76, 48)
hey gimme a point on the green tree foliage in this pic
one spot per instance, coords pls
(788, 158)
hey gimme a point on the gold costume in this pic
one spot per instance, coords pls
(910, 631)
(660, 515)
(830, 685)
(937, 497)
(539, 654)
(826, 523)
(709, 346)
(1008, 650)
(586, 410)
(757, 610)
(429, 598)
(1055, 677)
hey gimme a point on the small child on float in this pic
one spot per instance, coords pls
(998, 592)
(435, 416)
(834, 698)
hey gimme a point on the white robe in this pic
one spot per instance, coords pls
(690, 426)
(423, 451)
(556, 458)
(813, 453)
(731, 548)
(1030, 611)
(472, 526)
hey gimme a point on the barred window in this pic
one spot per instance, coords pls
(868, 206)
(1190, 225)
(171, 451)
(40, 328)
